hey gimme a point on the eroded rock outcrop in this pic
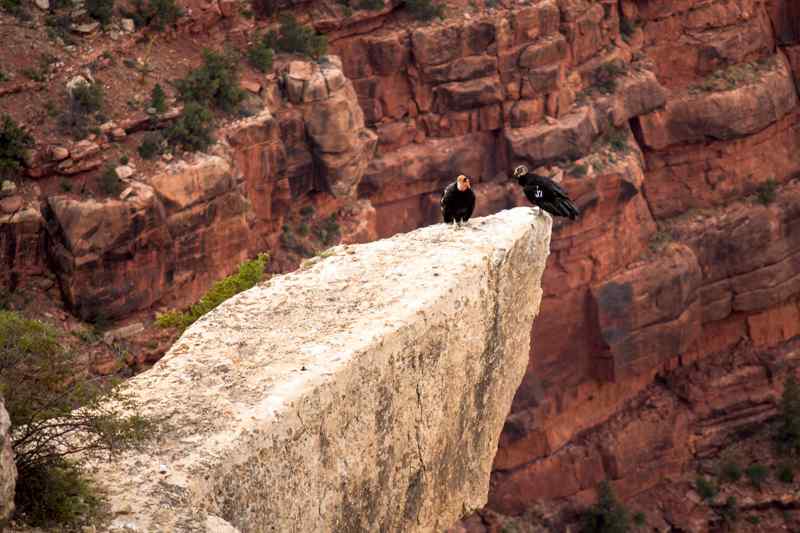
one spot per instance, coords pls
(364, 392)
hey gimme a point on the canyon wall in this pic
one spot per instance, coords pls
(364, 392)
(676, 125)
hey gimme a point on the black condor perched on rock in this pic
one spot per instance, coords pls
(458, 201)
(545, 193)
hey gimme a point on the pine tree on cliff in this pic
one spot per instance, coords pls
(545, 193)
(458, 201)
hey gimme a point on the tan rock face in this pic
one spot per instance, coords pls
(384, 416)
(8, 471)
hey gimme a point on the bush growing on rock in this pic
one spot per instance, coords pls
(767, 191)
(14, 142)
(424, 9)
(157, 14)
(109, 181)
(84, 100)
(294, 38)
(608, 515)
(158, 100)
(193, 129)
(41, 381)
(100, 10)
(788, 436)
(705, 488)
(260, 56)
(214, 84)
(757, 474)
(250, 273)
(151, 145)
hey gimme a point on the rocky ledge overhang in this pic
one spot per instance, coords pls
(364, 392)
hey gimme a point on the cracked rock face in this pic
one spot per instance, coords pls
(364, 392)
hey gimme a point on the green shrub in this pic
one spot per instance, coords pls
(250, 273)
(639, 519)
(327, 230)
(151, 146)
(705, 488)
(730, 472)
(626, 28)
(605, 77)
(124, 160)
(214, 84)
(424, 9)
(730, 511)
(100, 10)
(158, 100)
(3, 76)
(193, 129)
(55, 494)
(788, 436)
(767, 191)
(754, 519)
(616, 139)
(39, 379)
(16, 8)
(294, 38)
(87, 98)
(260, 56)
(785, 473)
(157, 14)
(607, 515)
(109, 181)
(14, 142)
(757, 474)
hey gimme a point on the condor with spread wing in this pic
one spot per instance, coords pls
(546, 193)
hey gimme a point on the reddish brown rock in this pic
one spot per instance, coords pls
(571, 136)
(723, 115)
(648, 314)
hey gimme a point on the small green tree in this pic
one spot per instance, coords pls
(193, 129)
(260, 56)
(109, 181)
(767, 191)
(151, 145)
(215, 83)
(14, 141)
(705, 488)
(608, 515)
(55, 415)
(250, 273)
(788, 436)
(294, 38)
(158, 100)
(757, 474)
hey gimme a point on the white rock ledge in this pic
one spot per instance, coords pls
(363, 393)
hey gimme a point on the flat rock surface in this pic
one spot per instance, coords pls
(364, 392)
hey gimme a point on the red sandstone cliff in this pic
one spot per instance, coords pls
(670, 119)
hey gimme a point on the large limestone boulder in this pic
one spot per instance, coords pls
(8, 471)
(364, 392)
